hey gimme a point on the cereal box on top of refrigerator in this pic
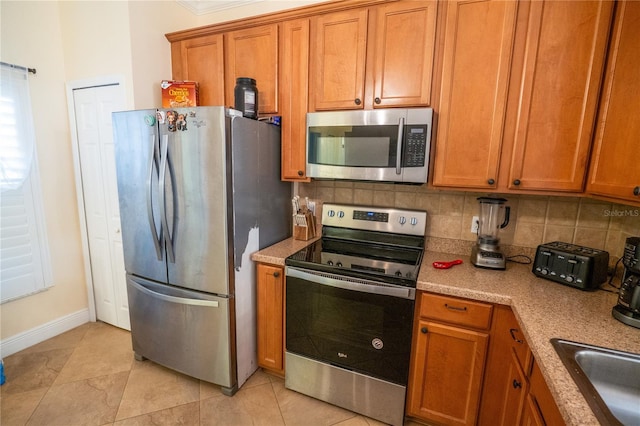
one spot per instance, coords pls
(177, 94)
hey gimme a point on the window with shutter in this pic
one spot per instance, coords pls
(25, 266)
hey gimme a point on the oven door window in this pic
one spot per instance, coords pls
(363, 332)
(353, 146)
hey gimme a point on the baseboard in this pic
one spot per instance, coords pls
(43, 332)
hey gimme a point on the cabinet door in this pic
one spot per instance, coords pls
(201, 59)
(270, 306)
(614, 163)
(293, 86)
(404, 46)
(338, 49)
(447, 371)
(531, 415)
(563, 66)
(516, 387)
(254, 53)
(476, 65)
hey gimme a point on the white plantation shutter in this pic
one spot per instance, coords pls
(25, 266)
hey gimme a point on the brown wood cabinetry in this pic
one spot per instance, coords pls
(519, 93)
(509, 361)
(542, 400)
(253, 52)
(614, 168)
(293, 88)
(376, 57)
(270, 322)
(202, 60)
(447, 364)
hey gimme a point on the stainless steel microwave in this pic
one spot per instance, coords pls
(383, 145)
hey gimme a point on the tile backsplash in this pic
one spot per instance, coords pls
(534, 219)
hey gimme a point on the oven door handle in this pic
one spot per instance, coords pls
(349, 283)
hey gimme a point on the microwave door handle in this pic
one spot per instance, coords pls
(399, 146)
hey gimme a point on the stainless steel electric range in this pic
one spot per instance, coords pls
(349, 309)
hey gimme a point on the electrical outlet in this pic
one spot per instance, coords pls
(474, 224)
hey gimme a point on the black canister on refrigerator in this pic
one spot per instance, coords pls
(246, 97)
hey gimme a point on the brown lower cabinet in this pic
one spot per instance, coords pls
(270, 322)
(472, 365)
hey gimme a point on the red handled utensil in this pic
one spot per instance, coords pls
(446, 265)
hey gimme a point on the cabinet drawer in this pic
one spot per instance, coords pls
(456, 311)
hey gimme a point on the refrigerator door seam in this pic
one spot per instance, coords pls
(152, 223)
(164, 145)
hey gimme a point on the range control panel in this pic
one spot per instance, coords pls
(382, 219)
(578, 266)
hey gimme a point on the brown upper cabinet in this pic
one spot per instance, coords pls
(253, 53)
(202, 60)
(520, 85)
(293, 84)
(614, 168)
(375, 57)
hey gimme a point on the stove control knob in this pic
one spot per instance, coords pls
(414, 221)
(402, 220)
(341, 214)
(398, 274)
(331, 213)
(330, 262)
(339, 264)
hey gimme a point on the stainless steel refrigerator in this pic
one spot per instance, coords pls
(199, 191)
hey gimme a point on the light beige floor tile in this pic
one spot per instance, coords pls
(105, 335)
(89, 361)
(300, 410)
(29, 371)
(255, 405)
(87, 402)
(15, 409)
(360, 421)
(69, 339)
(152, 387)
(187, 415)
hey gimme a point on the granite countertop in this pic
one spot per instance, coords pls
(543, 308)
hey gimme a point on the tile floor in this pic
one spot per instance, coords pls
(88, 376)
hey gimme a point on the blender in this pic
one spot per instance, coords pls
(486, 253)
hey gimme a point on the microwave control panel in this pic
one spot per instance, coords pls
(415, 145)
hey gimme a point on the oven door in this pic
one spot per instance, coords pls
(381, 145)
(359, 325)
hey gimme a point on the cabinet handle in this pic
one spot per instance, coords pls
(636, 190)
(377, 100)
(424, 330)
(491, 181)
(516, 182)
(276, 274)
(358, 101)
(455, 308)
(300, 173)
(516, 384)
(512, 332)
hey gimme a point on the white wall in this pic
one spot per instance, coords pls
(31, 36)
(253, 9)
(67, 41)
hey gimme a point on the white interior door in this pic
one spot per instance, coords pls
(93, 107)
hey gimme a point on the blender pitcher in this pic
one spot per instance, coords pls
(494, 215)
(491, 221)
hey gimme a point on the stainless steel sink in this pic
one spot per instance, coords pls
(608, 379)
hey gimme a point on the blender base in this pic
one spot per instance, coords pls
(487, 259)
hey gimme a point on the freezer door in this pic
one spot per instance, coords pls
(183, 330)
(196, 199)
(137, 165)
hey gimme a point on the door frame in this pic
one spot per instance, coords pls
(109, 80)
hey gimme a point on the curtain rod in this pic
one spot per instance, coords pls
(31, 70)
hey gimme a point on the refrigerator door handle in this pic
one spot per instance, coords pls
(164, 146)
(153, 160)
(173, 299)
